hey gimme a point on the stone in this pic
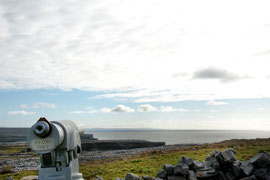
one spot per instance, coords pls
(228, 155)
(206, 172)
(235, 168)
(249, 178)
(162, 174)
(261, 160)
(247, 167)
(268, 176)
(131, 176)
(181, 169)
(30, 178)
(192, 175)
(212, 161)
(146, 177)
(186, 160)
(168, 168)
(98, 178)
(176, 177)
(197, 165)
(10, 178)
(230, 175)
(260, 173)
(212, 155)
(221, 176)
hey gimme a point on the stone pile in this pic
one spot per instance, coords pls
(217, 166)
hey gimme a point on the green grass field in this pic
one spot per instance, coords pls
(149, 163)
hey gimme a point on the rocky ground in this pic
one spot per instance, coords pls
(218, 165)
(28, 160)
(111, 154)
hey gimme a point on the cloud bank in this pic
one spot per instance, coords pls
(122, 108)
(146, 108)
(110, 47)
(215, 103)
(43, 105)
(171, 109)
(22, 112)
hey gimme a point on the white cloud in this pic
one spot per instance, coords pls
(215, 103)
(43, 105)
(77, 112)
(109, 46)
(22, 112)
(105, 110)
(122, 108)
(91, 110)
(260, 109)
(146, 108)
(171, 109)
(23, 106)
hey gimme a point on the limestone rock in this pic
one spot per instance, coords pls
(162, 174)
(197, 165)
(192, 175)
(230, 175)
(168, 168)
(212, 155)
(221, 176)
(249, 178)
(98, 178)
(261, 173)
(186, 160)
(228, 155)
(247, 167)
(176, 177)
(212, 161)
(10, 178)
(131, 176)
(206, 172)
(261, 160)
(181, 169)
(146, 177)
(235, 168)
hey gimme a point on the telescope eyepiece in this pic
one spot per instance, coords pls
(41, 128)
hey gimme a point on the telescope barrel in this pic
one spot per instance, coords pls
(41, 129)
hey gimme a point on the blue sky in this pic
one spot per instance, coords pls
(136, 64)
(23, 108)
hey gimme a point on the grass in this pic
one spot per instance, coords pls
(149, 163)
(18, 175)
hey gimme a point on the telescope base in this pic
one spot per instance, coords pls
(66, 173)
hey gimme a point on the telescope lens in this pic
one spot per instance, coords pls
(41, 128)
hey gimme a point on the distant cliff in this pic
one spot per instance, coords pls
(118, 144)
(20, 134)
(89, 143)
(13, 134)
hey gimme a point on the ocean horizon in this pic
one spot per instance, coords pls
(171, 137)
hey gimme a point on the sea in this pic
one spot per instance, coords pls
(171, 137)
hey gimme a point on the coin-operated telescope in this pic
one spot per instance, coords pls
(58, 143)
